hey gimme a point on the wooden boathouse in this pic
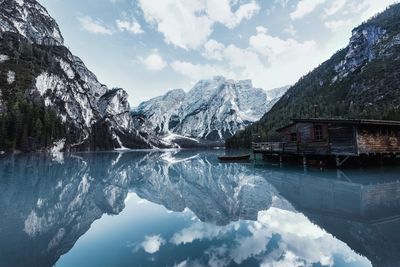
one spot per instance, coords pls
(337, 139)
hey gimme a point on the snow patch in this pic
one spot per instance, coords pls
(4, 58)
(172, 137)
(66, 67)
(19, 26)
(46, 81)
(47, 102)
(56, 239)
(55, 151)
(57, 35)
(34, 224)
(10, 77)
(40, 203)
(169, 157)
(121, 146)
(20, 2)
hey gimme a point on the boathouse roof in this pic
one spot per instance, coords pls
(342, 121)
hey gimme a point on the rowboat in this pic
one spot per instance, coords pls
(235, 158)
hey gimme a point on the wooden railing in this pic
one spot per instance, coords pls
(269, 147)
(292, 148)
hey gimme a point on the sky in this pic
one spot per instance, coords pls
(149, 47)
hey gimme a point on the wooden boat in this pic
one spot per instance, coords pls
(235, 158)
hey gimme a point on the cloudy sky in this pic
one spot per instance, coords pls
(151, 46)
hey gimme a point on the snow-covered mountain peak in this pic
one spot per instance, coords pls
(31, 20)
(175, 93)
(212, 110)
(159, 110)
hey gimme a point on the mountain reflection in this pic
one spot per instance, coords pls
(217, 193)
(48, 203)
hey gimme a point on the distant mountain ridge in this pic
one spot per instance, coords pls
(48, 97)
(210, 112)
(359, 81)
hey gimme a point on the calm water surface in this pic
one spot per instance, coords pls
(187, 209)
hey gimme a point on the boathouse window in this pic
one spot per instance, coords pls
(318, 133)
(293, 137)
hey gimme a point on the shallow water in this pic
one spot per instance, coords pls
(187, 209)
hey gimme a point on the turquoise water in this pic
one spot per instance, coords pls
(171, 208)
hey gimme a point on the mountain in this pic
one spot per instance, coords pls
(359, 81)
(48, 96)
(210, 112)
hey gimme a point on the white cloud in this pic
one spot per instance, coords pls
(284, 259)
(220, 11)
(247, 61)
(153, 62)
(178, 21)
(152, 244)
(269, 61)
(290, 30)
(305, 7)
(337, 25)
(336, 6)
(273, 47)
(286, 60)
(261, 29)
(94, 26)
(283, 3)
(129, 26)
(201, 231)
(372, 7)
(197, 72)
(188, 23)
(213, 50)
(299, 242)
(218, 256)
(182, 264)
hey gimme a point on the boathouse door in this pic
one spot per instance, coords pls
(342, 139)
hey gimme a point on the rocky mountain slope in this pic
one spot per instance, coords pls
(210, 112)
(359, 81)
(48, 96)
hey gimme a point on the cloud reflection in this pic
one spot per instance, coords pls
(278, 238)
(152, 244)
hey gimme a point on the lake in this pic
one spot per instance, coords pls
(184, 208)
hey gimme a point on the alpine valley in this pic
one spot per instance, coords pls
(49, 100)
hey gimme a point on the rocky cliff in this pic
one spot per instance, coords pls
(48, 96)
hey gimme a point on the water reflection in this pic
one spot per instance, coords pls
(187, 209)
(216, 193)
(360, 207)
